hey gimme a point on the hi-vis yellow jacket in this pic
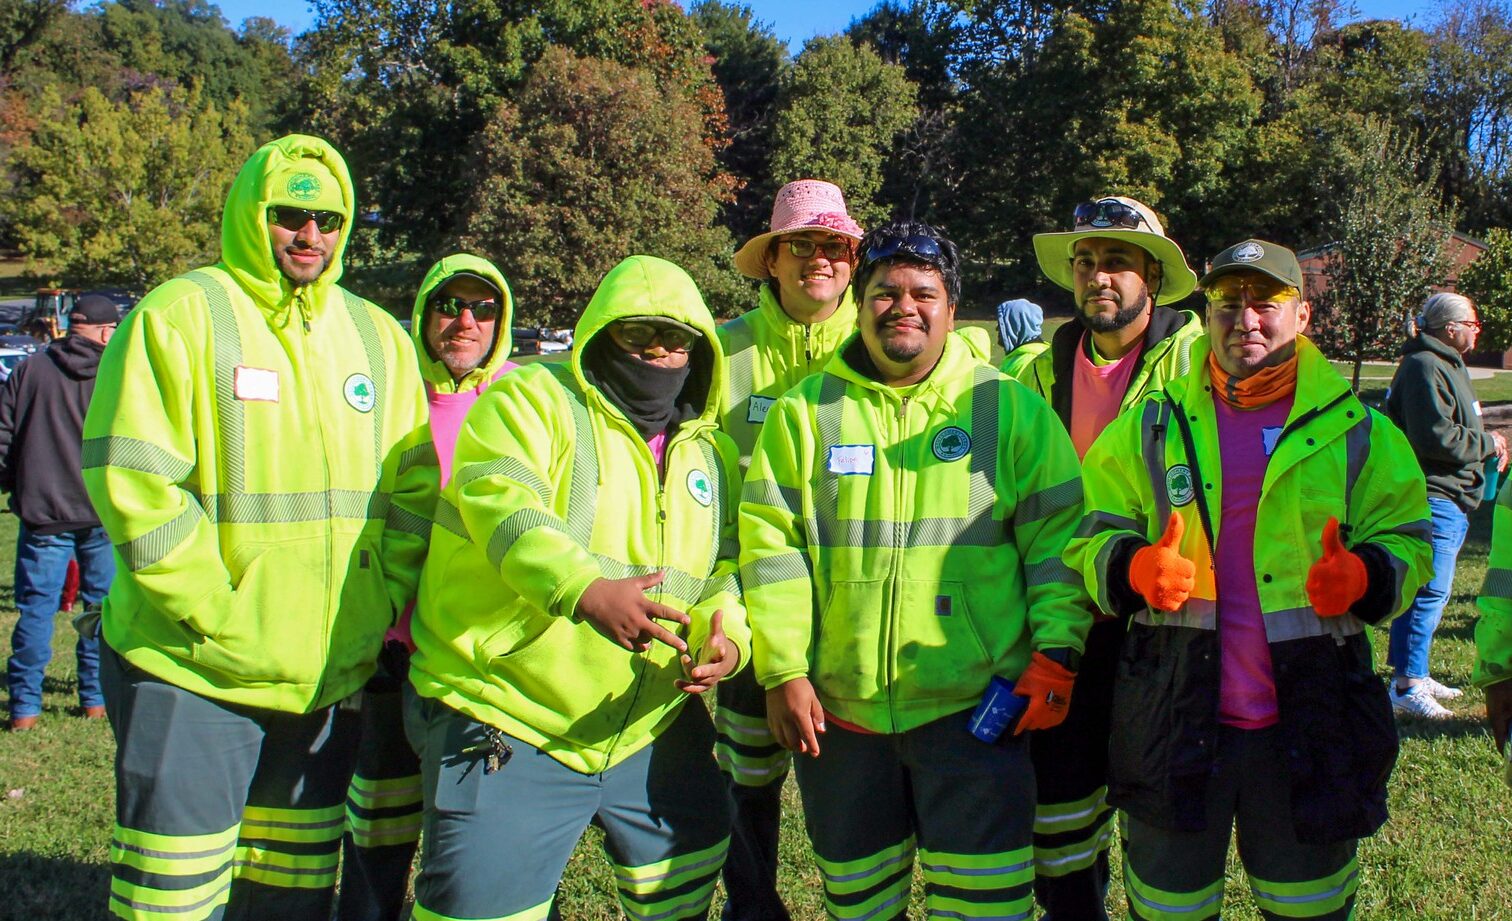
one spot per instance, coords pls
(260, 457)
(767, 353)
(552, 489)
(1493, 632)
(1333, 458)
(900, 546)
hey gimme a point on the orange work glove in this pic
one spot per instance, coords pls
(1160, 573)
(1047, 685)
(1338, 579)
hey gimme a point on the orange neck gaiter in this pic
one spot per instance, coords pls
(1259, 389)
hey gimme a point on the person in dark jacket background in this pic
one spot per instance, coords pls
(1432, 401)
(41, 431)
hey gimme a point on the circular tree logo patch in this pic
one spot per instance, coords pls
(359, 393)
(951, 443)
(1179, 485)
(1249, 252)
(303, 187)
(700, 488)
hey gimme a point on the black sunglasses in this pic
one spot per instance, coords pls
(924, 248)
(482, 311)
(294, 219)
(1107, 214)
(641, 335)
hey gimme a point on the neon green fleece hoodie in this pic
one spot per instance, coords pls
(554, 488)
(899, 546)
(259, 455)
(768, 352)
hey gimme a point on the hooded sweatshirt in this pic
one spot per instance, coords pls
(1433, 402)
(258, 454)
(450, 399)
(42, 409)
(554, 488)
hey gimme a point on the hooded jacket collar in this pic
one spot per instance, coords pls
(432, 368)
(1423, 342)
(842, 320)
(1164, 323)
(247, 249)
(77, 357)
(958, 357)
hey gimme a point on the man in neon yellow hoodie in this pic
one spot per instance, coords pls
(804, 314)
(461, 329)
(901, 530)
(581, 584)
(257, 451)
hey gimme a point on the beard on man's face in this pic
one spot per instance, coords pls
(1105, 323)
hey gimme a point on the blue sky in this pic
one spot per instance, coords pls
(794, 20)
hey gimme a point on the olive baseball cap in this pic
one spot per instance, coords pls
(1271, 259)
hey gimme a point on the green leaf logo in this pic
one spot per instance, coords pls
(303, 187)
(359, 393)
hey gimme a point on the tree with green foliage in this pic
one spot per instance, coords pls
(1389, 250)
(1488, 282)
(408, 88)
(840, 111)
(590, 162)
(1136, 98)
(126, 192)
(748, 63)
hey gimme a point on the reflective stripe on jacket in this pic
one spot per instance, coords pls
(1334, 457)
(900, 546)
(767, 353)
(554, 488)
(259, 456)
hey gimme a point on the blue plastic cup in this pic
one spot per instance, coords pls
(1493, 479)
(998, 709)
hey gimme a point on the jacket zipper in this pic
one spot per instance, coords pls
(325, 455)
(895, 573)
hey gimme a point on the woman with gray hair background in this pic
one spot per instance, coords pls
(1431, 399)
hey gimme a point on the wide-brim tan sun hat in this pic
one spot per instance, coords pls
(807, 204)
(1054, 251)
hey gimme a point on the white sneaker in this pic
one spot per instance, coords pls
(1418, 703)
(1441, 691)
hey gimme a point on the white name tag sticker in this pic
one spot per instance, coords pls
(256, 384)
(1476, 404)
(852, 460)
(757, 409)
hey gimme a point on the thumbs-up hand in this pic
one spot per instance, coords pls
(1338, 579)
(1160, 573)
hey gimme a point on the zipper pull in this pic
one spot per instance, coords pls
(304, 307)
(902, 407)
(808, 353)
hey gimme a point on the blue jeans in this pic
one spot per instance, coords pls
(41, 567)
(1412, 633)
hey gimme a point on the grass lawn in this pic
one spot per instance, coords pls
(1444, 855)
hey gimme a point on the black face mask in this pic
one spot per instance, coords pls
(650, 397)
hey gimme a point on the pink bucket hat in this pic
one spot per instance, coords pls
(808, 204)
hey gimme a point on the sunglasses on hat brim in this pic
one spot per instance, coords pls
(1107, 213)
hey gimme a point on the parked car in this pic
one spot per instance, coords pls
(540, 340)
(9, 359)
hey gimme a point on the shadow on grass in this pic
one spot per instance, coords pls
(1462, 726)
(53, 887)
